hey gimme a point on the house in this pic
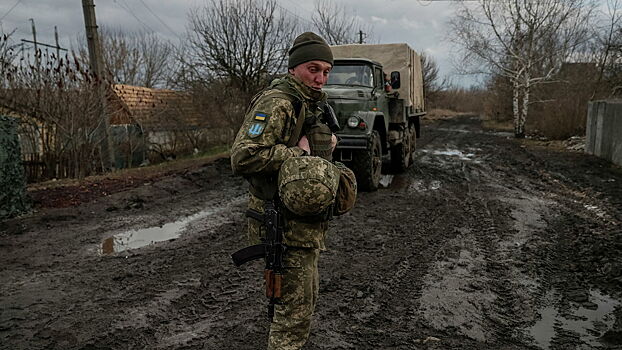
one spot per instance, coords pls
(154, 109)
(169, 122)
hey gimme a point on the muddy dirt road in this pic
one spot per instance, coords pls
(487, 243)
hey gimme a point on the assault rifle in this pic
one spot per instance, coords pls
(271, 249)
(329, 117)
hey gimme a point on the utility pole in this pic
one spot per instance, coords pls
(92, 37)
(34, 33)
(34, 40)
(57, 46)
(361, 36)
(96, 62)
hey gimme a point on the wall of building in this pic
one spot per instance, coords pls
(129, 145)
(604, 130)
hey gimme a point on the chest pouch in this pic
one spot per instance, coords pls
(320, 137)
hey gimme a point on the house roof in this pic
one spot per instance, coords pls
(154, 109)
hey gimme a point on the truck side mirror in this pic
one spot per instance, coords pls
(395, 80)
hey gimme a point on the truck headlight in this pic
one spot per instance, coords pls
(353, 122)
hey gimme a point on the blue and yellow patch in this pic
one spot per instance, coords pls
(261, 116)
(256, 129)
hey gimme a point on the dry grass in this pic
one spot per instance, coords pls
(498, 125)
(439, 113)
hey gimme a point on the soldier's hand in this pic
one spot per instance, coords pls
(304, 144)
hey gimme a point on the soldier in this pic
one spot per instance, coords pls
(271, 134)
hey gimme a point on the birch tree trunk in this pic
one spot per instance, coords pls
(516, 107)
(525, 109)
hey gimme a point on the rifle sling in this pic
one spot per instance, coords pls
(295, 136)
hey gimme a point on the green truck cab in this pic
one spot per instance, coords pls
(376, 92)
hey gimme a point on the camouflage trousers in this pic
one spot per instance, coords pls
(292, 318)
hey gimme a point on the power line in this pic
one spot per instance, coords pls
(11, 9)
(129, 10)
(293, 14)
(43, 44)
(429, 2)
(298, 6)
(159, 19)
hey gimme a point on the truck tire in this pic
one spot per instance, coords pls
(367, 165)
(403, 155)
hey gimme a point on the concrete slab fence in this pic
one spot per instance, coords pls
(604, 130)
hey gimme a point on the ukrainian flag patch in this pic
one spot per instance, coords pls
(261, 116)
(256, 129)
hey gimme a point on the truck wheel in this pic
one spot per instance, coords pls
(367, 165)
(402, 155)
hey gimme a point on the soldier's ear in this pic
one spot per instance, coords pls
(291, 71)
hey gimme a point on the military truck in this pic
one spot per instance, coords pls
(376, 91)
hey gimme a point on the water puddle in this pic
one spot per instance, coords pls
(590, 321)
(502, 134)
(134, 239)
(385, 180)
(464, 131)
(599, 212)
(424, 186)
(451, 153)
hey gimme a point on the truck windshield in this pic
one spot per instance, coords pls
(351, 75)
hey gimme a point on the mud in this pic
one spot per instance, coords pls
(486, 243)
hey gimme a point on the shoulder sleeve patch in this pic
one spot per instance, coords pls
(261, 116)
(256, 129)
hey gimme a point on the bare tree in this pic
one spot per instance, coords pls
(431, 84)
(242, 41)
(523, 40)
(234, 48)
(608, 48)
(56, 100)
(8, 54)
(140, 58)
(336, 24)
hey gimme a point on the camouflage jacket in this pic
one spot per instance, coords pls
(260, 148)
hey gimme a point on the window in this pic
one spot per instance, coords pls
(358, 75)
(379, 78)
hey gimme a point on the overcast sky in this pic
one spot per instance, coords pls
(422, 24)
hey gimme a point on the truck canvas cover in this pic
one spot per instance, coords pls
(393, 57)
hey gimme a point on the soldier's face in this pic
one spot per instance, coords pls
(313, 74)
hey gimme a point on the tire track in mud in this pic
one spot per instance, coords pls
(488, 260)
(527, 227)
(432, 243)
(382, 304)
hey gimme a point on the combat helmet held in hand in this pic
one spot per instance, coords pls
(308, 185)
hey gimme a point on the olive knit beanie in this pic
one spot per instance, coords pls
(307, 47)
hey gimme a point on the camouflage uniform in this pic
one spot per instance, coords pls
(257, 153)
